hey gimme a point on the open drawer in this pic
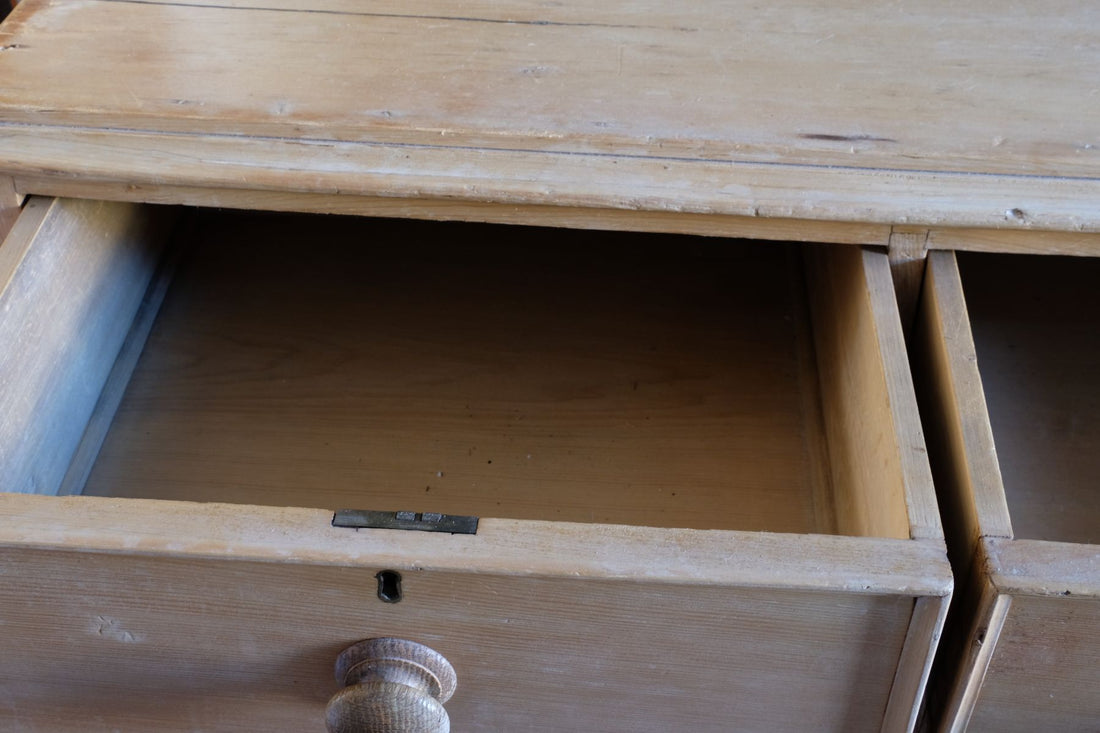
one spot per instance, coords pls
(703, 495)
(1023, 520)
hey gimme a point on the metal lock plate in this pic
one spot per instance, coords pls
(416, 521)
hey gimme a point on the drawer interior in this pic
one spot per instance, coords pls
(473, 369)
(514, 372)
(1035, 324)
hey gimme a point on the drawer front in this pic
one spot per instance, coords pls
(141, 643)
(1045, 670)
(183, 616)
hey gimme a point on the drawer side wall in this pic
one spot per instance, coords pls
(73, 274)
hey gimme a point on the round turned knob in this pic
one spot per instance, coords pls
(391, 686)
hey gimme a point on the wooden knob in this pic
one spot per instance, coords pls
(391, 686)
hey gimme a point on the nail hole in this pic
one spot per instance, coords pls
(389, 586)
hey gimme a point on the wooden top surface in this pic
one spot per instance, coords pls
(975, 114)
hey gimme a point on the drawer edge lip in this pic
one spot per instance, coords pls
(777, 228)
(210, 531)
(536, 213)
(1043, 568)
(933, 198)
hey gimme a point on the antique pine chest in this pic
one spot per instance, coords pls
(596, 415)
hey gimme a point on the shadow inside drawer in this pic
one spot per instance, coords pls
(1035, 324)
(473, 369)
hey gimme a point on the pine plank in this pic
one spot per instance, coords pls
(10, 202)
(964, 671)
(915, 664)
(232, 615)
(961, 449)
(547, 213)
(152, 643)
(1046, 669)
(504, 546)
(880, 476)
(72, 274)
(975, 115)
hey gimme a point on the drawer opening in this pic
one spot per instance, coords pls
(1034, 321)
(499, 371)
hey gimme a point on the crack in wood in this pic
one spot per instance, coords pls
(405, 16)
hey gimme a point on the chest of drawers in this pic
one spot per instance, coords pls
(708, 504)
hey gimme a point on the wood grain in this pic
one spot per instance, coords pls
(473, 370)
(1029, 655)
(979, 628)
(964, 116)
(1046, 669)
(10, 202)
(755, 226)
(1034, 322)
(908, 250)
(548, 213)
(915, 664)
(72, 274)
(385, 707)
(155, 642)
(699, 189)
(899, 398)
(194, 530)
(824, 497)
(118, 379)
(230, 616)
(967, 477)
(961, 449)
(1080, 244)
(880, 477)
(1042, 568)
(392, 686)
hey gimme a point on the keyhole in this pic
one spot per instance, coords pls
(389, 586)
